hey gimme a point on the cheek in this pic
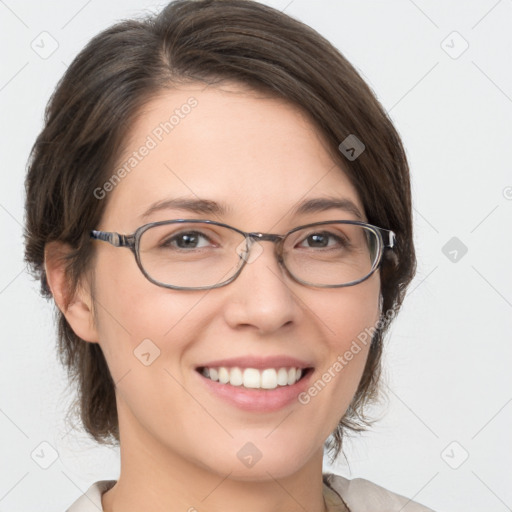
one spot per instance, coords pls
(136, 317)
(348, 319)
(145, 334)
(348, 313)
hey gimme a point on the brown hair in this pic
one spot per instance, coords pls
(125, 66)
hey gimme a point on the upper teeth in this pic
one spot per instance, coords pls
(268, 378)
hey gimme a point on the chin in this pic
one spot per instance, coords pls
(252, 464)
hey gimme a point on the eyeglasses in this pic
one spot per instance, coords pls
(203, 254)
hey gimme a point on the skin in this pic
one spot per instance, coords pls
(179, 443)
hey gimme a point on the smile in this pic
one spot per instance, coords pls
(257, 383)
(252, 378)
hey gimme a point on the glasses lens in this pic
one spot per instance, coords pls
(331, 254)
(191, 254)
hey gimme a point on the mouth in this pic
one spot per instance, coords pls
(263, 379)
(256, 383)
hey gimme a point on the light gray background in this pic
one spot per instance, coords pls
(448, 355)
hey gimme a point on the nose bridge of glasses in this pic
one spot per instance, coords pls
(253, 237)
(265, 237)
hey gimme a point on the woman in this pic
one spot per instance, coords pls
(221, 210)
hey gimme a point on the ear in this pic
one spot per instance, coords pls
(77, 308)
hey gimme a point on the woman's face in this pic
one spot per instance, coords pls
(258, 160)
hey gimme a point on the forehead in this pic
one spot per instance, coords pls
(256, 155)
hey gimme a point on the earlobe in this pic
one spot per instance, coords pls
(77, 307)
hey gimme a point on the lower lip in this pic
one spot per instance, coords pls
(257, 400)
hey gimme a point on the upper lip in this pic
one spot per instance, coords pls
(258, 362)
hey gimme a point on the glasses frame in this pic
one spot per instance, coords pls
(386, 239)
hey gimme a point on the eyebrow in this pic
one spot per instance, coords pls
(321, 204)
(191, 205)
(209, 207)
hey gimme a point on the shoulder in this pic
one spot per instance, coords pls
(90, 501)
(361, 495)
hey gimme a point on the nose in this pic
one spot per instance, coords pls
(263, 296)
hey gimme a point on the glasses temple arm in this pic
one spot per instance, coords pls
(388, 237)
(115, 239)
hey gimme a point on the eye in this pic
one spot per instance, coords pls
(187, 240)
(323, 239)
